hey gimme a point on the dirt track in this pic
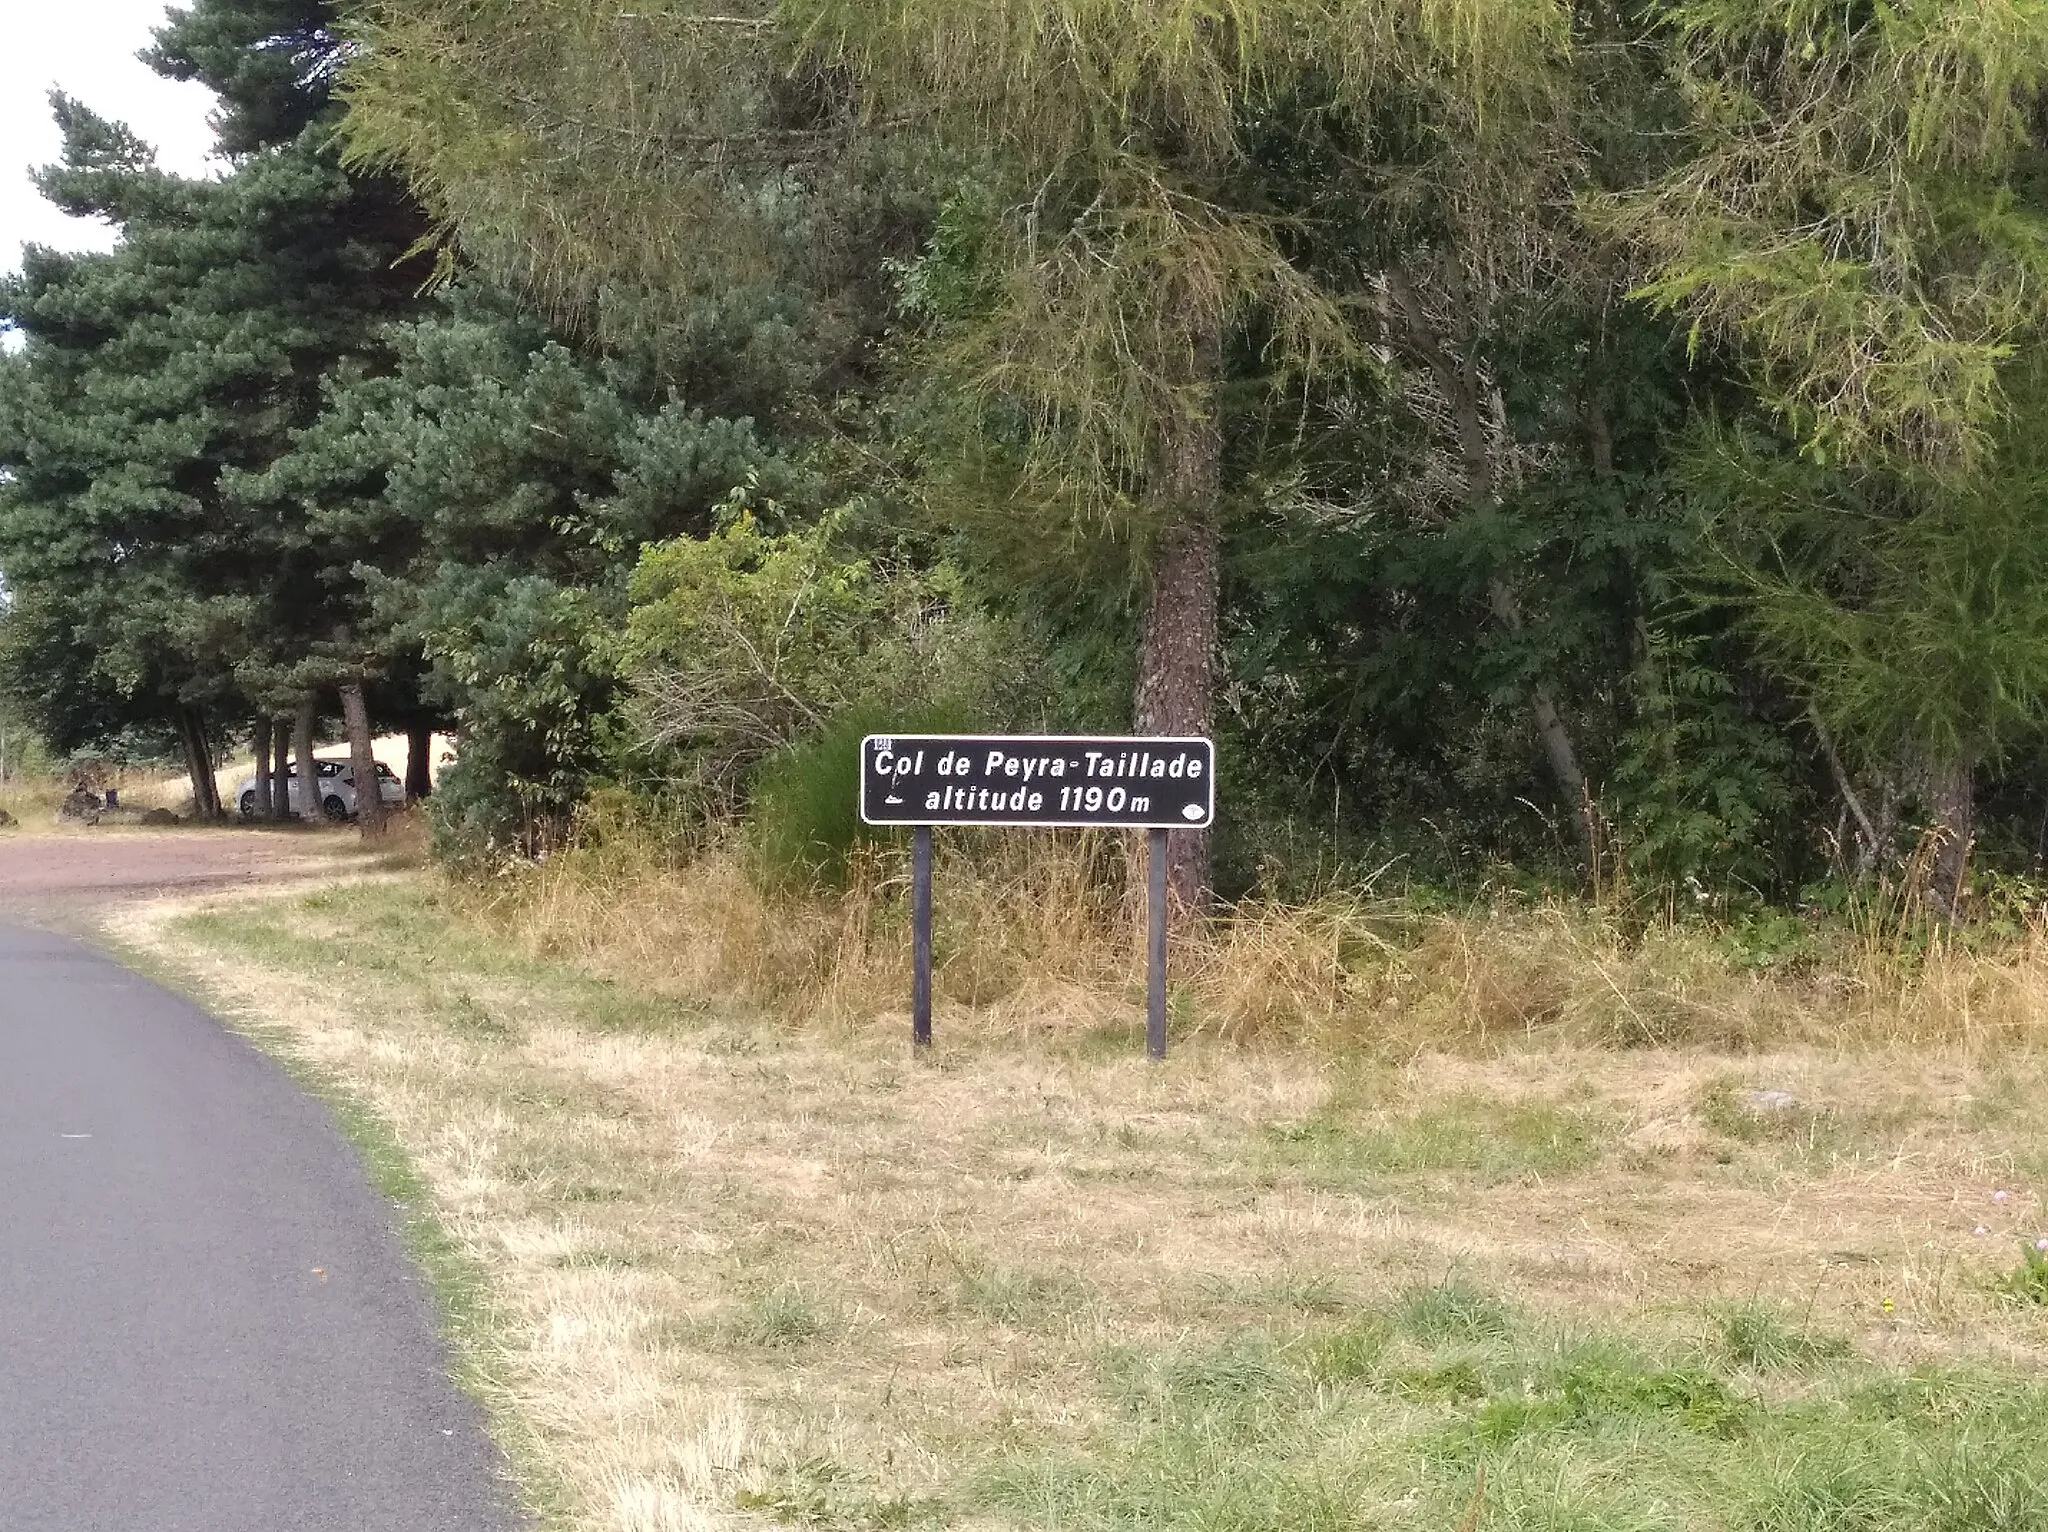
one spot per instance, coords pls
(69, 867)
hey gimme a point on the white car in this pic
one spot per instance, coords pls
(337, 790)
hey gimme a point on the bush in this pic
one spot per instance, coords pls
(744, 648)
(804, 820)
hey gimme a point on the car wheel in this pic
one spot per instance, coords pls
(334, 808)
(248, 804)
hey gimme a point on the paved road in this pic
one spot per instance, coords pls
(206, 1324)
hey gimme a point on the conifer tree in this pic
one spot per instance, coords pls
(155, 375)
(1130, 249)
(1856, 209)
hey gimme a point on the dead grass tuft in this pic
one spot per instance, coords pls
(1035, 932)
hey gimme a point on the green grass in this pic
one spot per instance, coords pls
(1806, 1133)
(782, 1316)
(1762, 1337)
(2028, 1281)
(1011, 1295)
(1448, 1409)
(1488, 1142)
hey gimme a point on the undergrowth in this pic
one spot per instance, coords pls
(1037, 929)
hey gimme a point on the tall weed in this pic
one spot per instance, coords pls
(1036, 930)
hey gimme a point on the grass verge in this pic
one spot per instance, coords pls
(736, 1273)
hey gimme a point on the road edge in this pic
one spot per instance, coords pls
(464, 1312)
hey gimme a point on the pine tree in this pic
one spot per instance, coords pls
(1857, 211)
(154, 376)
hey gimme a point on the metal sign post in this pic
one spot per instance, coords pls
(1117, 781)
(1155, 944)
(921, 936)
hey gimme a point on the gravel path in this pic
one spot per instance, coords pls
(104, 861)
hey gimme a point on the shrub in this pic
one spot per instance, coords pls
(804, 812)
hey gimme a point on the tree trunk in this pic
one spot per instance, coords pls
(1177, 645)
(1949, 796)
(199, 763)
(309, 770)
(1870, 842)
(1550, 725)
(281, 769)
(362, 757)
(261, 737)
(419, 762)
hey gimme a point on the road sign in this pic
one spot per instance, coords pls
(1122, 781)
(1132, 782)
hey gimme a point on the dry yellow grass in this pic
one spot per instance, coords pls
(1032, 932)
(734, 1262)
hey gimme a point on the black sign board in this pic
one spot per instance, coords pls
(1038, 779)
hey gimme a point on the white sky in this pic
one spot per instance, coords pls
(87, 48)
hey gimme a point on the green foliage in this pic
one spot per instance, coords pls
(745, 643)
(803, 812)
(1908, 610)
(1702, 789)
(2028, 1282)
(531, 664)
(500, 488)
(859, 355)
(153, 377)
(1856, 207)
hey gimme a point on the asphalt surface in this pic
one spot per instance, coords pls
(206, 1320)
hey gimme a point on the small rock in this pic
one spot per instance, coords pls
(1773, 1100)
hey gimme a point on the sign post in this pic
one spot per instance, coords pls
(1155, 944)
(1060, 780)
(921, 936)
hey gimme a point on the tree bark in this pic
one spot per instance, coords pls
(1949, 795)
(281, 769)
(261, 737)
(309, 770)
(199, 763)
(362, 757)
(419, 762)
(1177, 644)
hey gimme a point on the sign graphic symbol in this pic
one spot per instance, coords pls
(1192, 811)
